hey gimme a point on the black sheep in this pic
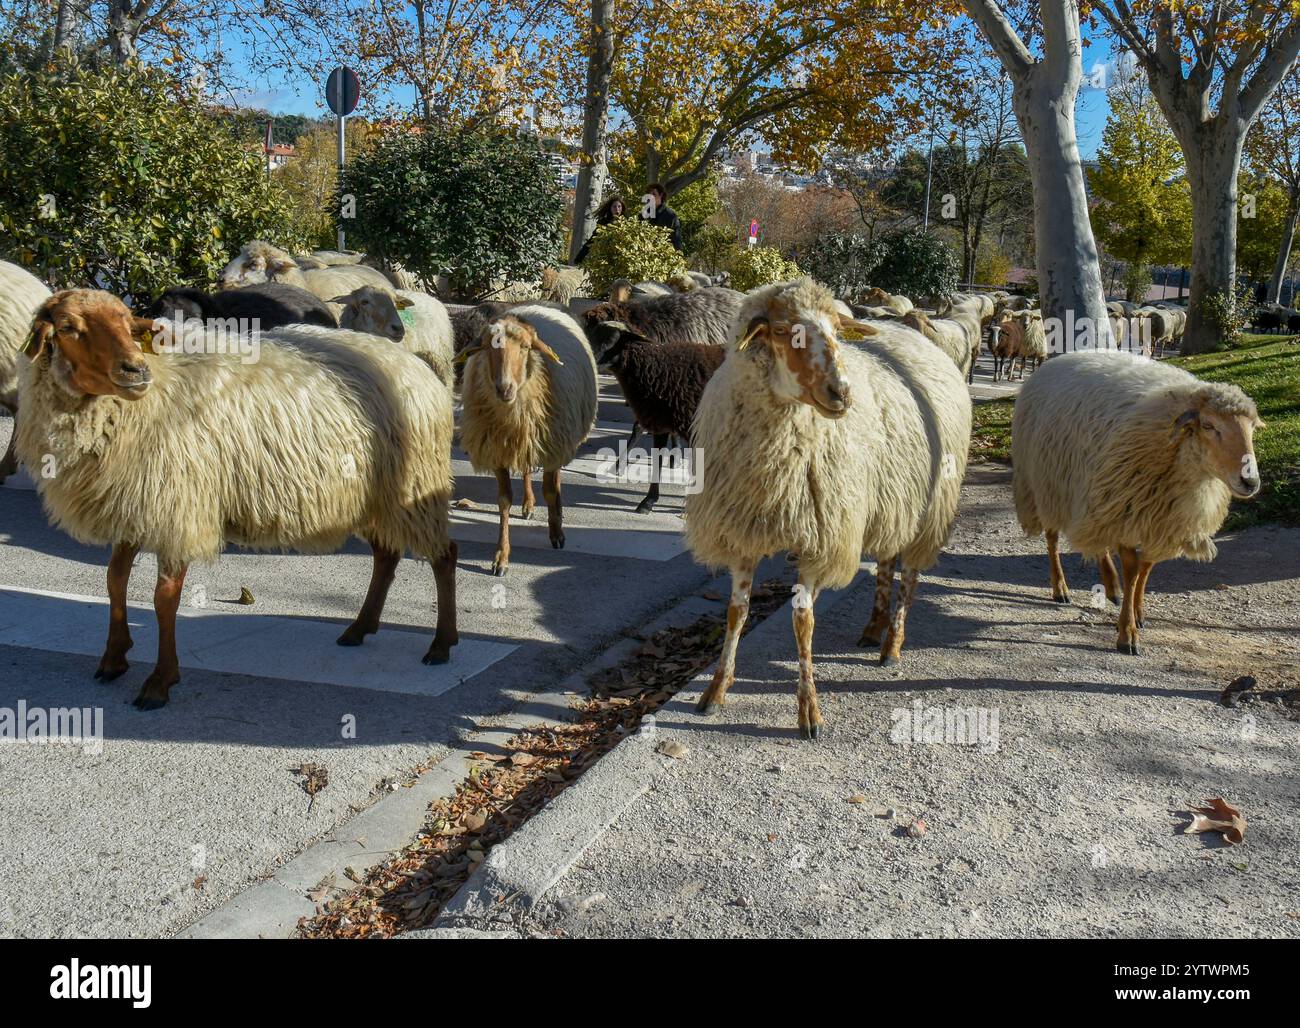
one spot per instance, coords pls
(662, 382)
(273, 304)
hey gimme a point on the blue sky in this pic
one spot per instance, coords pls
(294, 93)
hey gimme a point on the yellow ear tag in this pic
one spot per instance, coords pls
(147, 341)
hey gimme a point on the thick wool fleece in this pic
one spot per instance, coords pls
(552, 414)
(1095, 456)
(884, 479)
(21, 295)
(700, 316)
(329, 434)
(663, 382)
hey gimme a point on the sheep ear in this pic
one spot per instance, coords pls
(757, 325)
(279, 265)
(621, 292)
(546, 351)
(343, 300)
(42, 329)
(1184, 421)
(467, 353)
(142, 332)
(402, 302)
(859, 326)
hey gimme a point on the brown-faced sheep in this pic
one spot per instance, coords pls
(259, 261)
(830, 452)
(328, 434)
(528, 400)
(1121, 453)
(21, 294)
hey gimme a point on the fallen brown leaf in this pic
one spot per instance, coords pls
(1219, 816)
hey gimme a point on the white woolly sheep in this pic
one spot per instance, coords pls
(896, 302)
(1119, 452)
(828, 452)
(563, 284)
(259, 261)
(328, 434)
(528, 399)
(415, 320)
(21, 294)
(958, 335)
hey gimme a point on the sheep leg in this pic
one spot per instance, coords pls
(875, 630)
(656, 459)
(1140, 602)
(1128, 633)
(167, 671)
(9, 464)
(1060, 590)
(501, 562)
(810, 717)
(1109, 578)
(381, 577)
(715, 696)
(113, 663)
(554, 508)
(526, 510)
(445, 635)
(893, 648)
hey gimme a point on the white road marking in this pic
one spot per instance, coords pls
(656, 537)
(263, 646)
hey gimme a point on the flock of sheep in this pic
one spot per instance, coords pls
(831, 431)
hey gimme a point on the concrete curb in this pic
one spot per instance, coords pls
(272, 908)
(517, 874)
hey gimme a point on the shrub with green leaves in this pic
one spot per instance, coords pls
(633, 249)
(843, 262)
(759, 266)
(478, 207)
(715, 248)
(915, 264)
(118, 177)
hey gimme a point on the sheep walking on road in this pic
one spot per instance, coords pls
(1124, 454)
(21, 294)
(829, 452)
(415, 320)
(662, 382)
(259, 261)
(328, 434)
(529, 400)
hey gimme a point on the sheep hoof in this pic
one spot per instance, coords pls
(525, 513)
(143, 702)
(707, 707)
(645, 506)
(1128, 649)
(106, 671)
(437, 655)
(499, 568)
(1141, 622)
(353, 635)
(557, 541)
(887, 661)
(812, 733)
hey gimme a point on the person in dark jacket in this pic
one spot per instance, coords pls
(657, 211)
(610, 211)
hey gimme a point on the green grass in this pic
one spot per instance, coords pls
(991, 434)
(1267, 367)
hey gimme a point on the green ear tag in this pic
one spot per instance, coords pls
(407, 316)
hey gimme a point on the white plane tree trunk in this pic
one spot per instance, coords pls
(594, 170)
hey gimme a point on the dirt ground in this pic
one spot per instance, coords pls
(1065, 818)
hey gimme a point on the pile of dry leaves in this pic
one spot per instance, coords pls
(505, 789)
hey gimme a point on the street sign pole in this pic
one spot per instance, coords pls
(342, 91)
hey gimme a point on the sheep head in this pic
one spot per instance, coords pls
(507, 345)
(608, 339)
(797, 323)
(1218, 428)
(373, 310)
(258, 262)
(93, 343)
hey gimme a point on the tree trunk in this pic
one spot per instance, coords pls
(66, 26)
(122, 29)
(1069, 273)
(593, 172)
(1213, 163)
(1284, 251)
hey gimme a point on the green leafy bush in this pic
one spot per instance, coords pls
(478, 207)
(1228, 315)
(715, 248)
(117, 177)
(633, 249)
(915, 264)
(843, 262)
(756, 266)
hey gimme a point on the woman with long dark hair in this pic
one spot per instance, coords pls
(609, 211)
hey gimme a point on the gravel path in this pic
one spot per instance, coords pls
(1070, 827)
